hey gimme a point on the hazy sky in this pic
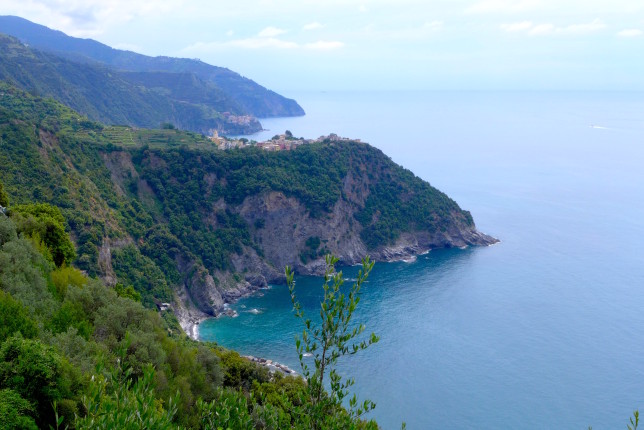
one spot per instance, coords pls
(375, 44)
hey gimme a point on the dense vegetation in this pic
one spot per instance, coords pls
(120, 98)
(75, 353)
(156, 192)
(187, 80)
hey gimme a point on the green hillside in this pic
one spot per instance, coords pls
(104, 224)
(75, 353)
(159, 190)
(236, 91)
(119, 98)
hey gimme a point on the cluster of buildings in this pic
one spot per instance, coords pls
(281, 142)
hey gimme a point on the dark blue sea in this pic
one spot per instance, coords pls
(544, 330)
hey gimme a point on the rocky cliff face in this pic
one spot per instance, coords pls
(287, 226)
(184, 222)
(275, 227)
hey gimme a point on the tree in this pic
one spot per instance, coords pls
(38, 374)
(16, 412)
(334, 337)
(14, 318)
(46, 222)
(117, 401)
(4, 198)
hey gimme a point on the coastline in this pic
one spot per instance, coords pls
(273, 366)
(405, 250)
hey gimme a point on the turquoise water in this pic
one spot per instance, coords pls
(540, 331)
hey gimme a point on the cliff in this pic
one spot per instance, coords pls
(184, 222)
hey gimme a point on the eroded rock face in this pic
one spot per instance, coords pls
(286, 226)
(280, 227)
(284, 232)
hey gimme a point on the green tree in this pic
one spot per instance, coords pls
(115, 401)
(14, 318)
(334, 337)
(46, 222)
(7, 230)
(127, 292)
(15, 412)
(4, 198)
(38, 374)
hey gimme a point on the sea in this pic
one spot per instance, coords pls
(544, 330)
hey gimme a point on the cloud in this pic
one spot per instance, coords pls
(262, 43)
(630, 32)
(503, 6)
(528, 27)
(271, 32)
(433, 25)
(517, 26)
(312, 26)
(324, 45)
(406, 33)
(87, 18)
(542, 29)
(591, 27)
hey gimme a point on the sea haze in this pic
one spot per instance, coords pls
(540, 331)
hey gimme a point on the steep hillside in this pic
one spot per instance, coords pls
(118, 98)
(168, 213)
(76, 353)
(250, 97)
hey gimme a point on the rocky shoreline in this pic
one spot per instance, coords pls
(273, 366)
(407, 249)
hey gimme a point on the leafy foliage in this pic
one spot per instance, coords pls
(14, 319)
(46, 222)
(77, 354)
(4, 197)
(116, 401)
(333, 338)
(15, 412)
(37, 373)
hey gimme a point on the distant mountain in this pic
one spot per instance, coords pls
(249, 96)
(113, 97)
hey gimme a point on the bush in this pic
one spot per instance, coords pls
(38, 374)
(46, 222)
(14, 319)
(15, 412)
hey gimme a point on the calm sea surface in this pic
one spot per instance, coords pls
(542, 331)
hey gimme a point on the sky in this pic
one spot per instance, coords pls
(296, 45)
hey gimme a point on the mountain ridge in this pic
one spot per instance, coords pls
(253, 98)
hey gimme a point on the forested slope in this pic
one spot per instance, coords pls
(113, 97)
(180, 220)
(75, 353)
(238, 92)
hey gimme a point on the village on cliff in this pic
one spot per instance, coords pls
(280, 142)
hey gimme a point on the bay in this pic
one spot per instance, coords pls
(540, 331)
